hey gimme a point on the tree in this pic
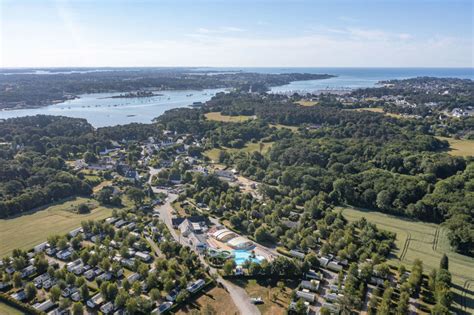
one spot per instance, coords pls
(121, 298)
(83, 208)
(89, 157)
(444, 262)
(385, 306)
(77, 308)
(136, 195)
(229, 266)
(30, 290)
(17, 279)
(155, 294)
(131, 305)
(55, 293)
(402, 307)
(84, 291)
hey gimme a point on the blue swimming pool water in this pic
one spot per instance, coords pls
(240, 256)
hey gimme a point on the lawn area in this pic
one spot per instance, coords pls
(215, 301)
(280, 126)
(6, 309)
(307, 103)
(460, 147)
(216, 116)
(32, 228)
(266, 289)
(213, 154)
(378, 110)
(428, 242)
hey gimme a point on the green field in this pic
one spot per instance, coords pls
(378, 110)
(8, 310)
(307, 103)
(216, 116)
(213, 154)
(427, 242)
(30, 229)
(460, 147)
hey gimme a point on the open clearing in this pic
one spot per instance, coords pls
(6, 309)
(216, 116)
(460, 147)
(213, 154)
(267, 289)
(280, 126)
(379, 110)
(32, 228)
(307, 103)
(428, 242)
(215, 301)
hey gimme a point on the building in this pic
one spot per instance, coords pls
(312, 285)
(143, 256)
(40, 247)
(240, 242)
(96, 300)
(297, 254)
(195, 286)
(306, 295)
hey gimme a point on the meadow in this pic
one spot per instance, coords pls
(428, 242)
(379, 110)
(460, 147)
(306, 103)
(216, 116)
(6, 309)
(33, 228)
(213, 154)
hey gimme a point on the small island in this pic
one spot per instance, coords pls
(137, 94)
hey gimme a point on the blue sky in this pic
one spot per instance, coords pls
(388, 33)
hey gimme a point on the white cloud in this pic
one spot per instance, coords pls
(351, 47)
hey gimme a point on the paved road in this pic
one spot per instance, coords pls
(238, 295)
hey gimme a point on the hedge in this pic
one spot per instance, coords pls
(28, 309)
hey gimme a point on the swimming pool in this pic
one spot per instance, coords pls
(240, 256)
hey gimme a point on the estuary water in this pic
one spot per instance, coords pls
(101, 110)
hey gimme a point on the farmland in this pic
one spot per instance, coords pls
(33, 228)
(425, 241)
(216, 116)
(460, 147)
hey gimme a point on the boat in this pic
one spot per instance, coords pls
(257, 300)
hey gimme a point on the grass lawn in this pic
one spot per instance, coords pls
(32, 228)
(378, 110)
(307, 103)
(213, 154)
(215, 301)
(216, 116)
(266, 289)
(428, 242)
(6, 309)
(280, 126)
(460, 147)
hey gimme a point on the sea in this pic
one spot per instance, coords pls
(101, 110)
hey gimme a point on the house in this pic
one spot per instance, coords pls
(19, 296)
(75, 232)
(28, 271)
(333, 308)
(111, 220)
(132, 175)
(133, 277)
(120, 223)
(334, 266)
(89, 274)
(297, 254)
(226, 175)
(311, 274)
(162, 308)
(173, 294)
(45, 306)
(143, 256)
(107, 308)
(70, 266)
(96, 300)
(64, 254)
(201, 220)
(187, 226)
(312, 285)
(40, 247)
(195, 286)
(306, 295)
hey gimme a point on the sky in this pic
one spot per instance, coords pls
(230, 33)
